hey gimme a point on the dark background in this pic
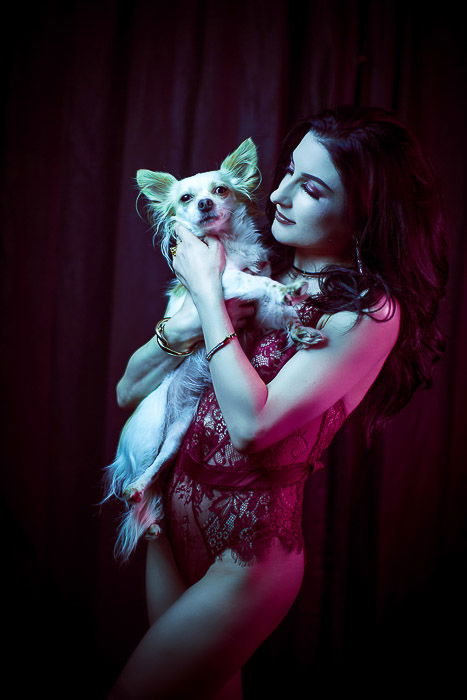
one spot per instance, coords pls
(93, 91)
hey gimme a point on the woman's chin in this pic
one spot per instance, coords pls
(280, 234)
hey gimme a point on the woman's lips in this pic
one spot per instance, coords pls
(282, 219)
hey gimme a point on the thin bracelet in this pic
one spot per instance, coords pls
(162, 340)
(220, 345)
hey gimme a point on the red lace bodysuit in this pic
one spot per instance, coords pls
(217, 498)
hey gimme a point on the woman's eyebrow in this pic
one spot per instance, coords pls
(315, 178)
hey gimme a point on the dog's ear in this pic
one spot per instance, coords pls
(155, 186)
(242, 167)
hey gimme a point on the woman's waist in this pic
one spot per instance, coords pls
(257, 476)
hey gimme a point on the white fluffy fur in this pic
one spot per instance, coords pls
(152, 436)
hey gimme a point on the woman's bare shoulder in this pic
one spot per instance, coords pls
(341, 368)
(386, 310)
(367, 337)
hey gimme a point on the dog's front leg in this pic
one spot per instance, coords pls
(242, 285)
(274, 304)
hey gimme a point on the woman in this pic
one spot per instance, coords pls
(354, 214)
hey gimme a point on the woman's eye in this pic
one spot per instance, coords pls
(186, 197)
(220, 189)
(312, 191)
(309, 188)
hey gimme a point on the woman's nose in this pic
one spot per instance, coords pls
(281, 195)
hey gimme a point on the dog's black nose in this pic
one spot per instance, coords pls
(205, 204)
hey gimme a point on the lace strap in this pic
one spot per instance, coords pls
(310, 315)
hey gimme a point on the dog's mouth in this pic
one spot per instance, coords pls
(208, 219)
(214, 220)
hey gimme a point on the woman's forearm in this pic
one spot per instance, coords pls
(145, 370)
(240, 391)
(148, 366)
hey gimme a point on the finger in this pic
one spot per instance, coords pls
(191, 239)
(182, 232)
(212, 241)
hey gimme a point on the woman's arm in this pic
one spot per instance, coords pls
(258, 414)
(148, 366)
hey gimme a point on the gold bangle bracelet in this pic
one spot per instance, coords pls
(162, 340)
(220, 345)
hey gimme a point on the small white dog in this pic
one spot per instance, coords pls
(221, 203)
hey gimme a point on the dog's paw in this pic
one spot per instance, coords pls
(305, 336)
(295, 292)
(132, 495)
(153, 532)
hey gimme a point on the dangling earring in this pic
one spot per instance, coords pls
(358, 256)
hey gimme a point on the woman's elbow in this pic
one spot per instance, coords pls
(245, 441)
(242, 446)
(124, 398)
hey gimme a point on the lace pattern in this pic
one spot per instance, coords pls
(206, 515)
(210, 520)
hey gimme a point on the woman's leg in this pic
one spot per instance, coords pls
(205, 637)
(164, 584)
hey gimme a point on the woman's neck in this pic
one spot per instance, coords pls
(309, 265)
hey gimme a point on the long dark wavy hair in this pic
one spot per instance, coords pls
(394, 210)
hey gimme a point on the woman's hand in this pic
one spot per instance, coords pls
(199, 265)
(185, 324)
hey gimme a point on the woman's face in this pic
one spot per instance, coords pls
(310, 205)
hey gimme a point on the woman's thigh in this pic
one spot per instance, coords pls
(164, 585)
(207, 635)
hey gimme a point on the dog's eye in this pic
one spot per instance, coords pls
(220, 189)
(186, 197)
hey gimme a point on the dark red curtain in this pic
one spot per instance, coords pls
(94, 91)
